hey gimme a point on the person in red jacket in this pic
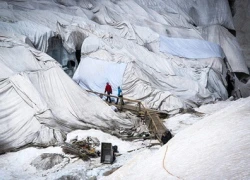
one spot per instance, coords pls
(108, 89)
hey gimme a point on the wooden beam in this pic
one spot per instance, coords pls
(154, 123)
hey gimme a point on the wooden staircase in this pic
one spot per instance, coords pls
(151, 117)
(155, 124)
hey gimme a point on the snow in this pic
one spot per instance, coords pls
(215, 147)
(212, 108)
(123, 146)
(212, 146)
(179, 122)
(16, 165)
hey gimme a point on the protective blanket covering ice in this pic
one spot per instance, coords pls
(229, 44)
(242, 89)
(190, 48)
(39, 103)
(29, 29)
(217, 147)
(241, 21)
(129, 19)
(158, 81)
(199, 13)
(218, 35)
(124, 32)
(93, 74)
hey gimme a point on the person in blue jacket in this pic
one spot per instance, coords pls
(120, 96)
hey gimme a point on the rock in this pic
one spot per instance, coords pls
(47, 161)
(69, 177)
(92, 178)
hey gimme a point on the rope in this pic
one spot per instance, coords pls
(164, 164)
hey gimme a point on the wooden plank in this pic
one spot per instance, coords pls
(157, 126)
(104, 94)
(152, 119)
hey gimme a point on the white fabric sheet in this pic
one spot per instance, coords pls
(229, 44)
(190, 48)
(198, 13)
(37, 34)
(93, 74)
(124, 32)
(127, 19)
(241, 21)
(161, 82)
(39, 103)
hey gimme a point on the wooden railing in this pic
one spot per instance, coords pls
(150, 121)
(139, 104)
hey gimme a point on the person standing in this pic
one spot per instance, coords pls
(120, 96)
(108, 90)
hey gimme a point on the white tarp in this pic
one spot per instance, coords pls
(241, 21)
(162, 82)
(229, 44)
(127, 19)
(93, 74)
(39, 102)
(218, 35)
(198, 13)
(124, 32)
(190, 48)
(29, 29)
(242, 89)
